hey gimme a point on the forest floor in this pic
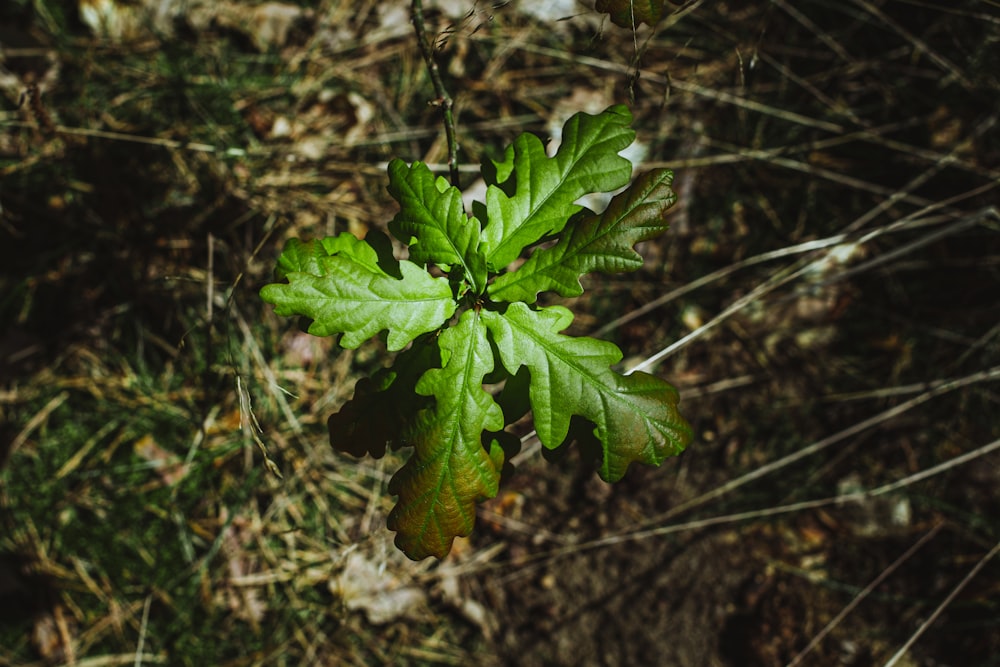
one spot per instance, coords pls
(826, 301)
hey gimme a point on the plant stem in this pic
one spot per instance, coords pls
(443, 100)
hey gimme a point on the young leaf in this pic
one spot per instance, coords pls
(594, 243)
(635, 416)
(545, 188)
(349, 293)
(433, 222)
(449, 470)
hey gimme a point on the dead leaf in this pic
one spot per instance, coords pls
(167, 464)
(367, 586)
(52, 636)
(244, 601)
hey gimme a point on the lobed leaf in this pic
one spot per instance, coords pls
(450, 469)
(349, 293)
(635, 416)
(533, 194)
(432, 221)
(596, 242)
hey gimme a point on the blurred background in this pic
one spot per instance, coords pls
(827, 302)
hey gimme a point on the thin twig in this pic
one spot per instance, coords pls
(443, 100)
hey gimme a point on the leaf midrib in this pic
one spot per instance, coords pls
(562, 181)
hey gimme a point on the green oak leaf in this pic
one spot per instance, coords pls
(545, 188)
(450, 470)
(349, 293)
(630, 13)
(432, 221)
(635, 416)
(595, 242)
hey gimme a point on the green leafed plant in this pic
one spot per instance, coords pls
(462, 313)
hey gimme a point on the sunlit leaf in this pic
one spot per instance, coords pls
(433, 222)
(450, 470)
(348, 293)
(594, 243)
(543, 189)
(635, 416)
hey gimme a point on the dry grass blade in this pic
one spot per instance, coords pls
(779, 279)
(918, 43)
(860, 597)
(954, 227)
(751, 515)
(36, 421)
(142, 632)
(935, 390)
(891, 662)
(815, 29)
(693, 88)
(904, 192)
